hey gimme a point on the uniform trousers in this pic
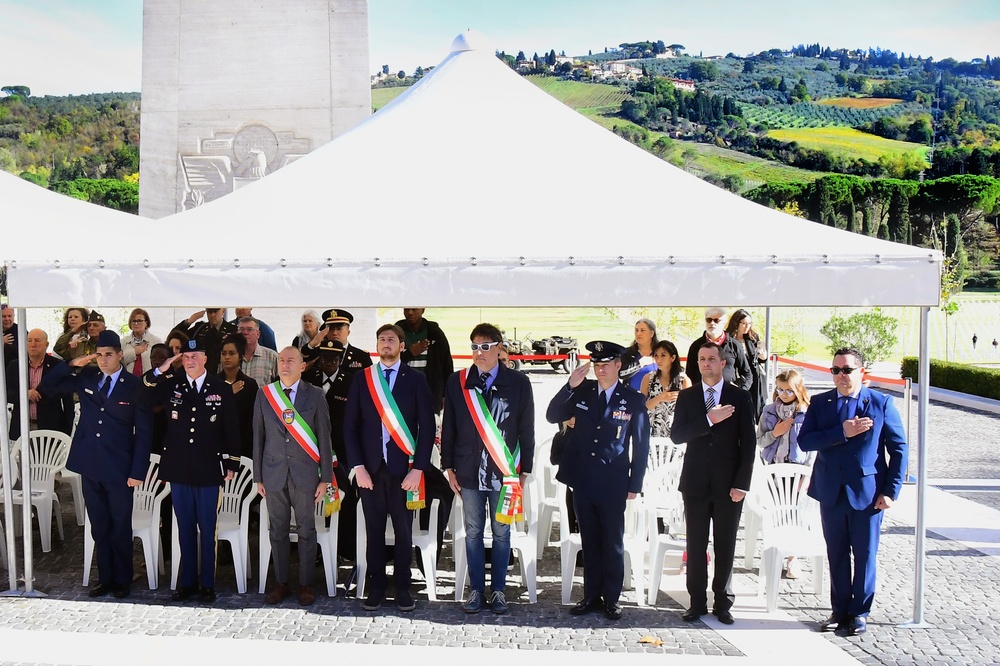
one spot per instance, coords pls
(109, 504)
(387, 501)
(602, 535)
(724, 515)
(196, 508)
(281, 501)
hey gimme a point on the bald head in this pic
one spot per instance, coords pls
(37, 342)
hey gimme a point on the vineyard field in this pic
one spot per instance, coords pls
(847, 141)
(860, 102)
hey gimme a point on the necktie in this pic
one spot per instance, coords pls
(106, 387)
(484, 380)
(388, 373)
(710, 398)
(602, 403)
(288, 393)
(844, 409)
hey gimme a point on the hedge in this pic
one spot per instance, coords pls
(983, 382)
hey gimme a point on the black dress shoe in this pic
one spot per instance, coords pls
(100, 590)
(184, 593)
(693, 614)
(854, 626)
(585, 606)
(207, 595)
(831, 623)
(613, 611)
(122, 591)
(725, 617)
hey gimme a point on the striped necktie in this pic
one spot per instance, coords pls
(710, 398)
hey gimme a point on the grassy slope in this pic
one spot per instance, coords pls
(382, 96)
(847, 141)
(859, 102)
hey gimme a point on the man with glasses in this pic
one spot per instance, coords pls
(487, 449)
(715, 420)
(860, 462)
(604, 463)
(259, 362)
(737, 371)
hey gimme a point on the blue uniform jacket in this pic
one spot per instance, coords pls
(606, 452)
(857, 464)
(113, 438)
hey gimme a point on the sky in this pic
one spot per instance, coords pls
(60, 47)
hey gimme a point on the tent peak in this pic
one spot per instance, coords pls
(470, 40)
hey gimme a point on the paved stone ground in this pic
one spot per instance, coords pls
(961, 586)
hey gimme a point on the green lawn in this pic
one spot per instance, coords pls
(847, 141)
(382, 96)
(579, 95)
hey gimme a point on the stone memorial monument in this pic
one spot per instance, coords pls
(233, 90)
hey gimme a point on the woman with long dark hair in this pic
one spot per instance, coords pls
(740, 328)
(662, 386)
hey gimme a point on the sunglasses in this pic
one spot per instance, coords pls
(714, 320)
(485, 347)
(846, 370)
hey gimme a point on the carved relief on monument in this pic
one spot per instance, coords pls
(230, 160)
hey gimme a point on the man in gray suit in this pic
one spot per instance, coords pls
(293, 463)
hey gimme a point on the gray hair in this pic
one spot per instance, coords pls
(715, 312)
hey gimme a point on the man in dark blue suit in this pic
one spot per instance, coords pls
(389, 432)
(110, 451)
(604, 463)
(853, 430)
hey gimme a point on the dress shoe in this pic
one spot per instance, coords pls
(693, 614)
(184, 593)
(498, 603)
(724, 616)
(585, 606)
(404, 601)
(854, 626)
(474, 603)
(122, 591)
(207, 595)
(100, 590)
(277, 594)
(613, 611)
(373, 600)
(306, 595)
(831, 623)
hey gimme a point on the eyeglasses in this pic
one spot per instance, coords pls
(484, 347)
(247, 329)
(138, 321)
(784, 391)
(846, 370)
(714, 320)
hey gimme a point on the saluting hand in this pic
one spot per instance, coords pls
(81, 361)
(577, 376)
(196, 316)
(169, 362)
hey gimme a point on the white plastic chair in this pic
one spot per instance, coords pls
(326, 538)
(634, 544)
(791, 526)
(523, 542)
(753, 505)
(425, 540)
(663, 451)
(546, 501)
(664, 502)
(146, 502)
(47, 451)
(233, 524)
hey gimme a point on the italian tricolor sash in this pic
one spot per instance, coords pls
(510, 507)
(393, 421)
(304, 435)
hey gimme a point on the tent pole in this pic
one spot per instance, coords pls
(767, 345)
(22, 376)
(923, 403)
(8, 494)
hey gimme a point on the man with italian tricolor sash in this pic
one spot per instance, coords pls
(487, 448)
(389, 432)
(293, 465)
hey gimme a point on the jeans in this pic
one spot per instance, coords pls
(475, 507)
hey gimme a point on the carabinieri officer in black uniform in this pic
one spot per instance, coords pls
(611, 419)
(201, 450)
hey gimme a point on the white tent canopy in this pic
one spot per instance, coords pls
(28, 210)
(475, 187)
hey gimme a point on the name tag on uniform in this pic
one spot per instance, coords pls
(86, 390)
(288, 416)
(582, 406)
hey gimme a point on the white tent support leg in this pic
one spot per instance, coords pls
(8, 495)
(923, 403)
(22, 371)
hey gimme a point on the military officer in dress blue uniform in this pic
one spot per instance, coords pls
(110, 451)
(201, 450)
(604, 463)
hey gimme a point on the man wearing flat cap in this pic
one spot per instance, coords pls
(604, 463)
(110, 452)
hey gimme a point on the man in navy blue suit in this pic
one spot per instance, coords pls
(858, 473)
(604, 463)
(110, 451)
(389, 432)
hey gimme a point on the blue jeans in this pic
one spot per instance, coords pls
(475, 505)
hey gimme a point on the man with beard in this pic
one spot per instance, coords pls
(737, 370)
